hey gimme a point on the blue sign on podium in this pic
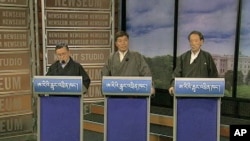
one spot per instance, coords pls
(139, 86)
(200, 87)
(58, 85)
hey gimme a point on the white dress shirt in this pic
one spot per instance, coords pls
(122, 54)
(194, 56)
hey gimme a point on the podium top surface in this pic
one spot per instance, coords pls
(58, 85)
(126, 86)
(199, 87)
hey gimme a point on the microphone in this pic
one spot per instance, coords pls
(126, 59)
(63, 62)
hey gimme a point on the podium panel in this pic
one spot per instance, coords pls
(127, 108)
(60, 107)
(197, 119)
(127, 119)
(197, 109)
(60, 118)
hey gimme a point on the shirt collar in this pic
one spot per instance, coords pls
(195, 54)
(124, 53)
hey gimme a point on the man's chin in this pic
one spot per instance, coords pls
(123, 50)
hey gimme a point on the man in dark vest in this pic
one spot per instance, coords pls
(195, 63)
(66, 66)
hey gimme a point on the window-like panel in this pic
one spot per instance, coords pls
(150, 24)
(243, 81)
(216, 19)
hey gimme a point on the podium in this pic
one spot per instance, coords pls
(60, 107)
(197, 109)
(127, 108)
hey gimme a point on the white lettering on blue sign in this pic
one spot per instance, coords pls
(61, 84)
(130, 85)
(203, 86)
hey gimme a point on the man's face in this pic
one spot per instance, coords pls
(62, 54)
(195, 42)
(122, 43)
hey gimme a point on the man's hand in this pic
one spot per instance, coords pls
(171, 91)
(152, 91)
